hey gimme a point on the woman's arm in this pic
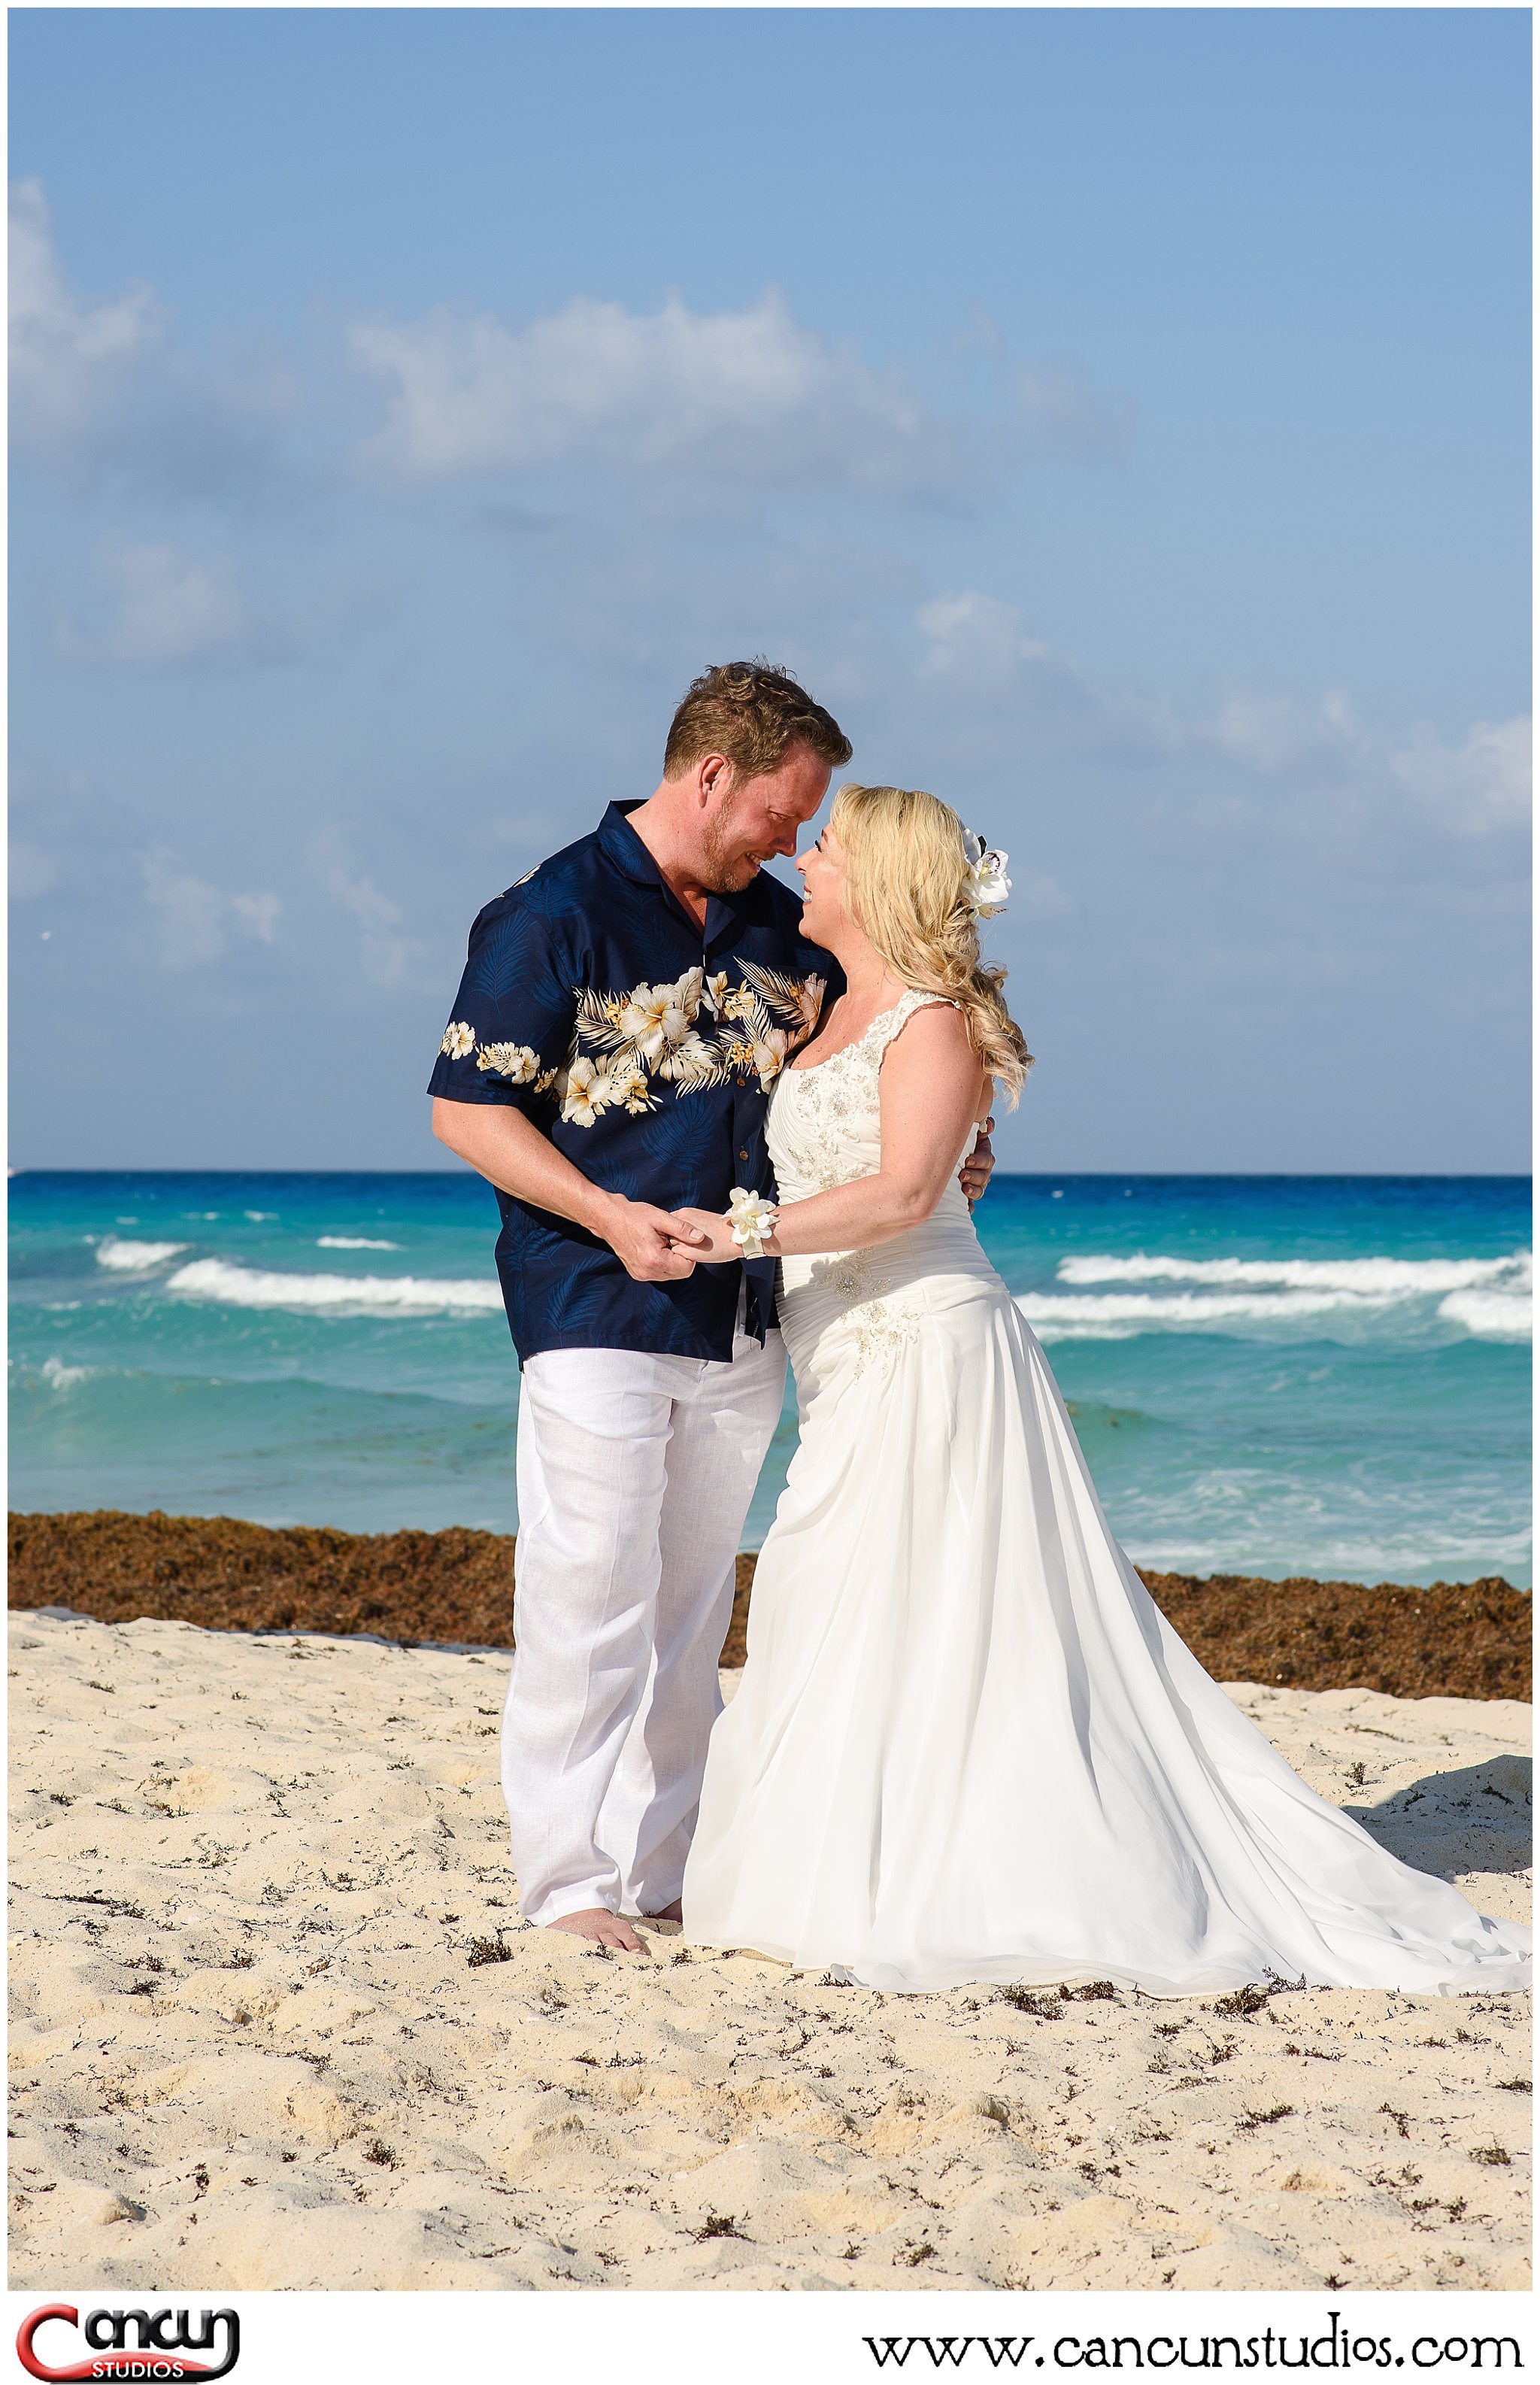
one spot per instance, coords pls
(932, 1091)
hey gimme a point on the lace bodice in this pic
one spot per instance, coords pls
(825, 1130)
(825, 1122)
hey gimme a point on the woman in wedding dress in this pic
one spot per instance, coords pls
(967, 1746)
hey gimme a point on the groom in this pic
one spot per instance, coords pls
(624, 1013)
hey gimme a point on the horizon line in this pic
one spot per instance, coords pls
(1046, 1175)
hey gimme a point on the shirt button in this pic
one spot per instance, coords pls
(743, 1156)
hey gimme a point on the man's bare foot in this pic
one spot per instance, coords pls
(606, 1929)
(674, 1911)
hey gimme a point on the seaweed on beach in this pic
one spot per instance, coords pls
(1450, 1640)
(231, 1576)
(1462, 1640)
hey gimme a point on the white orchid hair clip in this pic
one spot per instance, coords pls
(987, 885)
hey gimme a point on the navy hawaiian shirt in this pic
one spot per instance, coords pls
(647, 1049)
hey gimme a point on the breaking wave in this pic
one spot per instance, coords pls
(1495, 1315)
(60, 1378)
(1392, 1278)
(377, 1295)
(132, 1258)
(1489, 1299)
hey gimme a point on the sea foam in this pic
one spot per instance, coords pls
(1375, 1277)
(132, 1258)
(1121, 1313)
(1494, 1316)
(1488, 1298)
(239, 1287)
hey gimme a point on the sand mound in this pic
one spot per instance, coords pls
(278, 2025)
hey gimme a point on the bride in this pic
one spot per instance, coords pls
(967, 1746)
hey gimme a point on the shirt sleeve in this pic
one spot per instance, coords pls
(511, 1028)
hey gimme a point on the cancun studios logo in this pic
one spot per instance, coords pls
(161, 2342)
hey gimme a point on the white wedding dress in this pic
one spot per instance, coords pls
(966, 1745)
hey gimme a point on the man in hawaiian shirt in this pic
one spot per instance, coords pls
(624, 1013)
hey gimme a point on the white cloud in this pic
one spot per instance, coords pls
(1274, 732)
(259, 914)
(1485, 784)
(388, 957)
(170, 608)
(752, 396)
(191, 917)
(979, 651)
(69, 358)
(1482, 783)
(101, 382)
(188, 913)
(971, 638)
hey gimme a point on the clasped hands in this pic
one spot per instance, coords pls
(663, 1246)
(710, 1237)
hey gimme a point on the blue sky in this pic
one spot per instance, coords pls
(1119, 419)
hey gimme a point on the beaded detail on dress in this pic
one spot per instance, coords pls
(825, 1122)
(825, 1130)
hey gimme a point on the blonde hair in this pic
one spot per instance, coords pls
(906, 874)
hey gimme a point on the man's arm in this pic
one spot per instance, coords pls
(513, 1019)
(509, 1149)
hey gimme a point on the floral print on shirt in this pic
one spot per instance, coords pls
(624, 1045)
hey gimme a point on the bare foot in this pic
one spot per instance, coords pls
(674, 1911)
(604, 1928)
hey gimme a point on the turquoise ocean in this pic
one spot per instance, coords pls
(1270, 1375)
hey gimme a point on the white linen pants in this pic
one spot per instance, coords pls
(635, 1475)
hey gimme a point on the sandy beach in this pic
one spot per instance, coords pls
(277, 2025)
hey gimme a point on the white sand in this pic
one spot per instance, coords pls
(250, 2050)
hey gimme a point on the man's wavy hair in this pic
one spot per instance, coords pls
(753, 714)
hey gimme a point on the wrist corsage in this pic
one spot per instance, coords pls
(752, 1216)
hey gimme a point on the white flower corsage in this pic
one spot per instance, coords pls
(987, 885)
(752, 1216)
